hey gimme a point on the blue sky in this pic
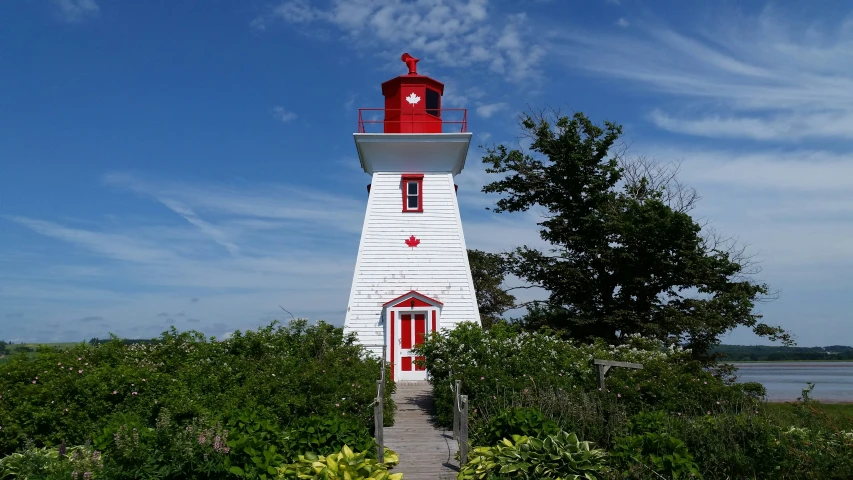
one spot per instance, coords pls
(188, 164)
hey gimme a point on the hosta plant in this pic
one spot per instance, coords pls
(559, 456)
(345, 464)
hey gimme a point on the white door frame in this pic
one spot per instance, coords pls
(411, 302)
(430, 313)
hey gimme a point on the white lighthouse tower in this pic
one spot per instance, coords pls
(412, 275)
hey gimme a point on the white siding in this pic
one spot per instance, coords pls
(387, 268)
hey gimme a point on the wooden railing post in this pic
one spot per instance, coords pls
(603, 366)
(457, 385)
(463, 431)
(379, 421)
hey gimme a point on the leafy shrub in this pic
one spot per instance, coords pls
(505, 359)
(555, 456)
(292, 371)
(326, 435)
(345, 464)
(658, 452)
(520, 421)
(599, 419)
(75, 463)
(257, 445)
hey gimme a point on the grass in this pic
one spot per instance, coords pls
(839, 415)
(13, 349)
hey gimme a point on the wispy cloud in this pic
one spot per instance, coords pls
(273, 235)
(279, 113)
(762, 77)
(780, 127)
(76, 10)
(623, 22)
(486, 110)
(456, 34)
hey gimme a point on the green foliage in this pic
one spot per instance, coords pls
(558, 456)
(326, 435)
(343, 465)
(256, 444)
(505, 361)
(520, 421)
(488, 271)
(658, 452)
(625, 257)
(60, 463)
(137, 401)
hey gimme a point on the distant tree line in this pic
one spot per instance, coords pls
(740, 353)
(126, 341)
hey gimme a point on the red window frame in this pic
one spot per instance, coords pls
(405, 180)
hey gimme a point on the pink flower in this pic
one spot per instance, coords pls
(115, 392)
(34, 381)
(79, 371)
(143, 379)
(79, 359)
(718, 403)
(709, 412)
(706, 383)
(482, 378)
(134, 393)
(66, 409)
(618, 395)
(337, 404)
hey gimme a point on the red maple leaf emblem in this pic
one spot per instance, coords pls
(412, 241)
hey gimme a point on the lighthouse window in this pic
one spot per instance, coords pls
(433, 103)
(413, 193)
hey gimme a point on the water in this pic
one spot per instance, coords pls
(785, 381)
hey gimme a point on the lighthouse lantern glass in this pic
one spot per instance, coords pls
(433, 103)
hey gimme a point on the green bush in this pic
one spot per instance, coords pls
(656, 452)
(256, 445)
(343, 465)
(100, 393)
(327, 435)
(559, 456)
(506, 359)
(520, 421)
(60, 463)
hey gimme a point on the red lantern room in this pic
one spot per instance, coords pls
(412, 101)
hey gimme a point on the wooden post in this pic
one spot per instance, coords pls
(604, 365)
(379, 414)
(463, 431)
(456, 389)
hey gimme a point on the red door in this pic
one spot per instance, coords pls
(412, 328)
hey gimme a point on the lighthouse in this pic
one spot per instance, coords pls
(411, 275)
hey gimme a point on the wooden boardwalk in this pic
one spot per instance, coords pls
(426, 452)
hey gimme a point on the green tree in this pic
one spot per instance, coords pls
(625, 255)
(488, 271)
(2, 347)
